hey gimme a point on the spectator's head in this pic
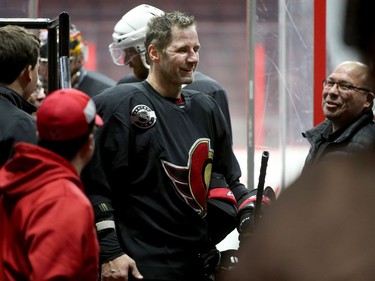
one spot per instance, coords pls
(78, 53)
(19, 53)
(129, 35)
(347, 93)
(66, 120)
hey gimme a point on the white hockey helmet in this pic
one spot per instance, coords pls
(130, 31)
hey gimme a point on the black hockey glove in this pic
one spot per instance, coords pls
(246, 209)
(246, 219)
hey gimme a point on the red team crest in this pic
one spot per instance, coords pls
(192, 181)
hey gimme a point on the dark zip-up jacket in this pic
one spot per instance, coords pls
(92, 83)
(16, 122)
(355, 137)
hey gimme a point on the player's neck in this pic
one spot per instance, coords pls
(165, 89)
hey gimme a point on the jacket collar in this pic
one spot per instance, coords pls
(17, 100)
(323, 130)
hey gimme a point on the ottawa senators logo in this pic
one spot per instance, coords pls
(192, 181)
(143, 117)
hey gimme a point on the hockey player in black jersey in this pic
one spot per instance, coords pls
(149, 180)
(128, 48)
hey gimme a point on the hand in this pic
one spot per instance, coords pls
(246, 224)
(119, 268)
(247, 220)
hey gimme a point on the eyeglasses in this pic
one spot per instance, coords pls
(343, 87)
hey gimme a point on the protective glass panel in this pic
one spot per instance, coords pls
(283, 86)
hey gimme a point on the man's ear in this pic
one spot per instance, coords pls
(91, 142)
(153, 53)
(370, 98)
(89, 146)
(26, 73)
(84, 154)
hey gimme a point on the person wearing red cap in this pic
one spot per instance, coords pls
(47, 222)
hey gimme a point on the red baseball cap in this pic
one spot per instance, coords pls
(65, 114)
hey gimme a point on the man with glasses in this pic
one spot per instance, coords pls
(347, 102)
(320, 236)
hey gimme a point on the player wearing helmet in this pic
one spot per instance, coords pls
(90, 82)
(128, 48)
(129, 37)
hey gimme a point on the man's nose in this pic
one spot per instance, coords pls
(193, 56)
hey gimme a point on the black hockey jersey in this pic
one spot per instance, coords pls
(202, 83)
(153, 163)
(92, 82)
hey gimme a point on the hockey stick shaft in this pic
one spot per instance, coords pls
(262, 176)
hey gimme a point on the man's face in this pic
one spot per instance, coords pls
(343, 104)
(180, 58)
